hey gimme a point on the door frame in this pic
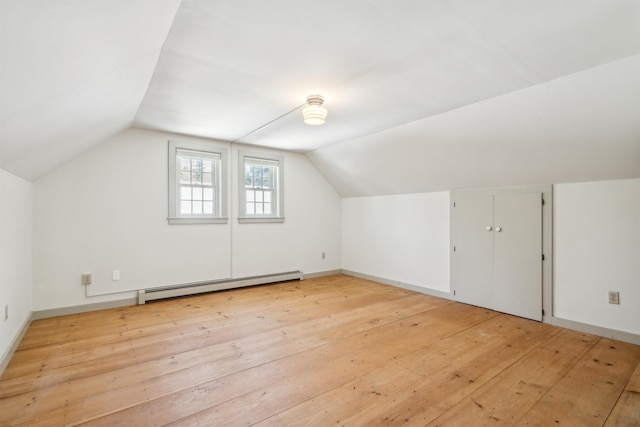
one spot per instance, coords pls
(547, 237)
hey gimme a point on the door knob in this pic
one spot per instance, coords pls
(488, 228)
(498, 229)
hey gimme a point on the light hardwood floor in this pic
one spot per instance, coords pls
(328, 352)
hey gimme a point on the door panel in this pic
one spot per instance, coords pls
(500, 270)
(517, 281)
(472, 260)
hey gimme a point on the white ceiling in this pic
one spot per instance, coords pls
(581, 127)
(74, 73)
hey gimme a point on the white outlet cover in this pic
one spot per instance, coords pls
(116, 275)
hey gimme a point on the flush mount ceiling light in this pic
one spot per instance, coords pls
(314, 113)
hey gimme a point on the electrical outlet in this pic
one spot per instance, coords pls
(323, 255)
(115, 275)
(6, 312)
(86, 279)
(614, 297)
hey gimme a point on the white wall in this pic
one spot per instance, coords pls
(596, 250)
(596, 247)
(107, 210)
(16, 209)
(403, 238)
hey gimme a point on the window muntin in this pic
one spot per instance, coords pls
(261, 197)
(197, 190)
(260, 185)
(198, 178)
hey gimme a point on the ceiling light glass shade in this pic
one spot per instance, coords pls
(314, 113)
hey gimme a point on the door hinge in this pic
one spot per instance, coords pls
(454, 249)
(543, 311)
(543, 257)
(454, 204)
(542, 202)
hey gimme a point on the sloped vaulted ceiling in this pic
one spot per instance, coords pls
(431, 85)
(73, 74)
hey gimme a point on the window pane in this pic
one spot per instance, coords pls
(248, 176)
(260, 186)
(207, 178)
(197, 194)
(257, 178)
(196, 177)
(266, 177)
(196, 182)
(185, 193)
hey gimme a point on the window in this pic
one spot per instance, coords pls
(196, 183)
(261, 192)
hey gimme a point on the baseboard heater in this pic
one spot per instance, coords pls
(173, 291)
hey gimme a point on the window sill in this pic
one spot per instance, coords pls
(257, 220)
(176, 221)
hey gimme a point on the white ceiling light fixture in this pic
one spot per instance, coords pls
(314, 113)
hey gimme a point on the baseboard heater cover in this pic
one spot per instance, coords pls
(173, 291)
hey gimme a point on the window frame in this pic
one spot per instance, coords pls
(278, 215)
(206, 148)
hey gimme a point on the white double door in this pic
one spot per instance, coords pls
(497, 257)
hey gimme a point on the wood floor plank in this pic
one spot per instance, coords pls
(509, 395)
(588, 392)
(183, 338)
(355, 355)
(626, 412)
(257, 323)
(346, 355)
(263, 346)
(408, 386)
(326, 351)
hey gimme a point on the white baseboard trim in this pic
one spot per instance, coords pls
(321, 274)
(64, 311)
(6, 357)
(597, 330)
(555, 321)
(415, 288)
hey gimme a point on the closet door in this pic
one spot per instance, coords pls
(517, 271)
(497, 251)
(472, 259)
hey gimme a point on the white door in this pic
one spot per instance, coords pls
(472, 259)
(517, 264)
(497, 261)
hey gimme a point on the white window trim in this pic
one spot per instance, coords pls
(205, 147)
(243, 218)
